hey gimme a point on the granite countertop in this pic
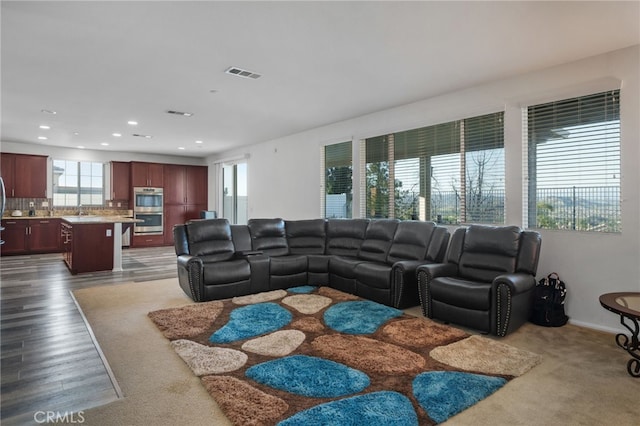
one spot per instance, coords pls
(99, 219)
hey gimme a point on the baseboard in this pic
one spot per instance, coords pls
(596, 327)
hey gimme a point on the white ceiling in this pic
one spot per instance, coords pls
(99, 64)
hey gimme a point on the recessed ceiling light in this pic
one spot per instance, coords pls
(81, 146)
(44, 127)
(181, 147)
(75, 133)
(42, 138)
(104, 144)
(198, 141)
(48, 111)
(117, 135)
(132, 123)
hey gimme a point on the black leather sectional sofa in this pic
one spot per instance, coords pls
(374, 259)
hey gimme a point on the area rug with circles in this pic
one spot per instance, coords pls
(315, 355)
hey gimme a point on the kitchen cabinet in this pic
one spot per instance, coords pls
(147, 174)
(88, 247)
(25, 176)
(120, 181)
(185, 195)
(147, 240)
(14, 236)
(179, 214)
(25, 236)
(185, 184)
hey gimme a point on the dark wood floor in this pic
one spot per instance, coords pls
(48, 359)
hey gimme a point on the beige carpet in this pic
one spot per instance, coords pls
(582, 379)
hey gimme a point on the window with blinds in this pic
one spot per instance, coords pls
(573, 161)
(337, 194)
(449, 173)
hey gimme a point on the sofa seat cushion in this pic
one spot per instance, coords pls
(461, 293)
(372, 274)
(344, 266)
(226, 272)
(287, 265)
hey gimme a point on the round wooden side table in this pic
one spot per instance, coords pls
(627, 305)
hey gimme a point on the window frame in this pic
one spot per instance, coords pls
(383, 156)
(603, 135)
(80, 190)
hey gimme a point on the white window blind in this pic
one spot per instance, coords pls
(449, 173)
(337, 195)
(573, 161)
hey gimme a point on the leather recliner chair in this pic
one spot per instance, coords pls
(487, 280)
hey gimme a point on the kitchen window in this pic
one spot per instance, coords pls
(78, 183)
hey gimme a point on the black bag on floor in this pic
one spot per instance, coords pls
(548, 302)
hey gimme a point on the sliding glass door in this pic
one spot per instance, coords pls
(234, 190)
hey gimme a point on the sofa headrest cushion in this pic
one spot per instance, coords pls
(210, 237)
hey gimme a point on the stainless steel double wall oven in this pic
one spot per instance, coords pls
(148, 206)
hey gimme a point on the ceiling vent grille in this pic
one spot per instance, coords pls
(184, 114)
(242, 73)
(142, 136)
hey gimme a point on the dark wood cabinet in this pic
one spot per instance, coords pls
(25, 176)
(44, 235)
(185, 195)
(197, 187)
(88, 247)
(175, 184)
(120, 180)
(147, 174)
(147, 241)
(14, 235)
(185, 184)
(179, 214)
(24, 236)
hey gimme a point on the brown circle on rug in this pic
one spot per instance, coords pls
(368, 355)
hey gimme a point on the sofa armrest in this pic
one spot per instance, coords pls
(404, 285)
(190, 276)
(435, 270)
(513, 301)
(518, 283)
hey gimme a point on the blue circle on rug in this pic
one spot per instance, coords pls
(309, 376)
(303, 289)
(252, 320)
(378, 408)
(359, 317)
(443, 394)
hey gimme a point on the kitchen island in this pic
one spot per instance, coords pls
(93, 243)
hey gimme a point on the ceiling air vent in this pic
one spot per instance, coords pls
(142, 136)
(185, 114)
(242, 73)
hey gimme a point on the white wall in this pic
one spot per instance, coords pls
(284, 174)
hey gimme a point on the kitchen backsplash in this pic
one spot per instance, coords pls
(22, 204)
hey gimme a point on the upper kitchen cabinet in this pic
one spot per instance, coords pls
(120, 180)
(25, 176)
(197, 185)
(185, 185)
(147, 174)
